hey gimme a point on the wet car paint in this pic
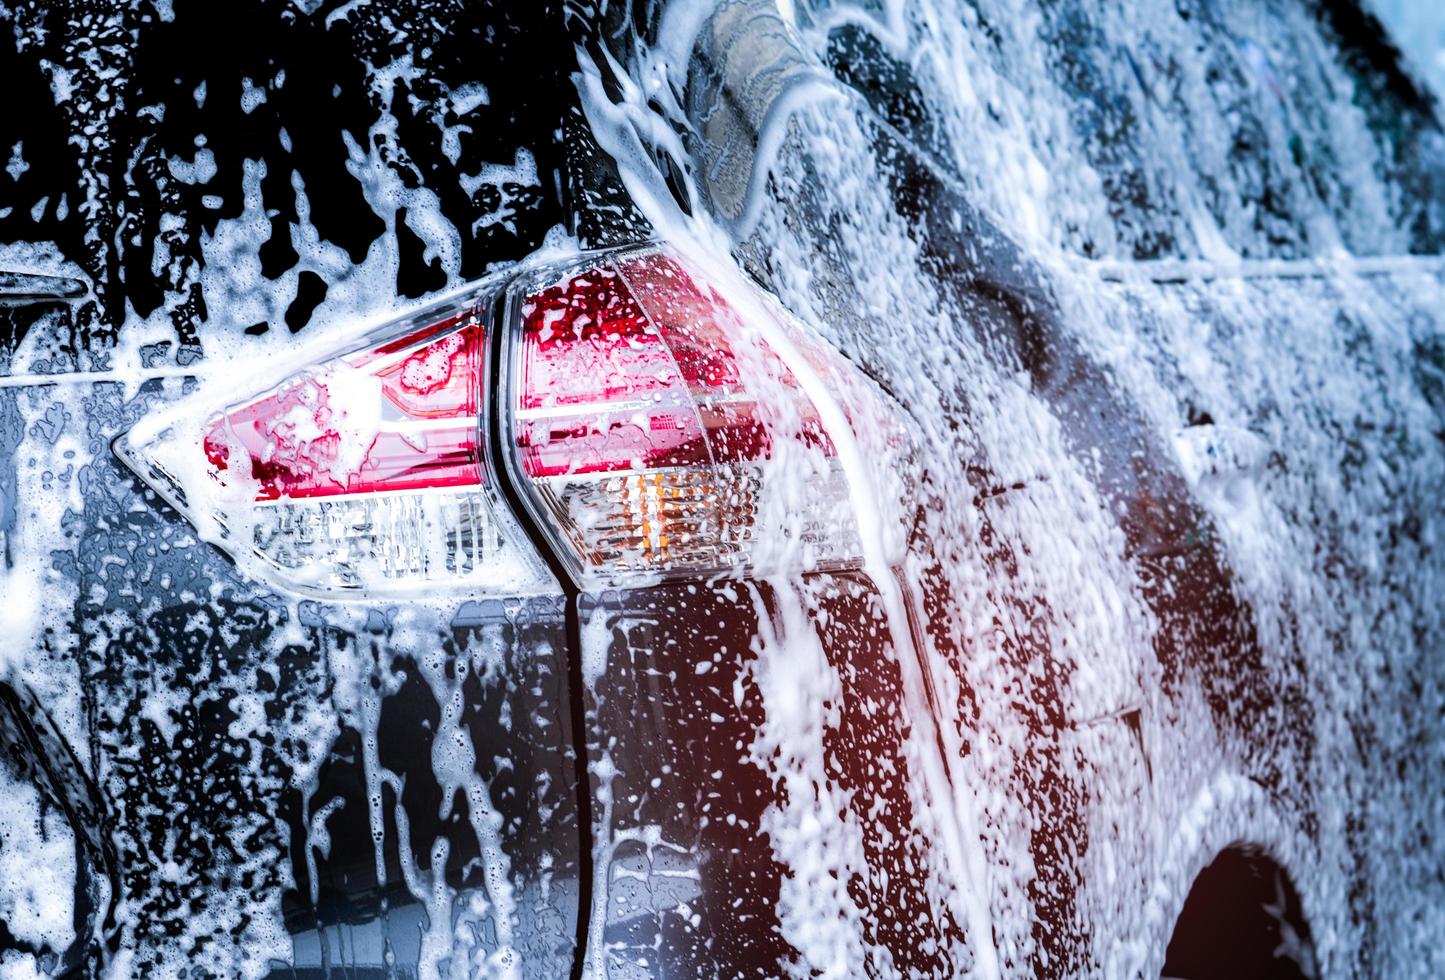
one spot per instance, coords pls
(225, 723)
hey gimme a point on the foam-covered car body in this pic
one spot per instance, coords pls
(1071, 523)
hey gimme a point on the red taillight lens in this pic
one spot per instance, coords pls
(366, 470)
(405, 416)
(599, 390)
(660, 432)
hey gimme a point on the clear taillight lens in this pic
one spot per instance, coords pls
(659, 431)
(365, 471)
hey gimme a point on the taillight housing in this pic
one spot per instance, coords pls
(367, 471)
(655, 422)
(661, 428)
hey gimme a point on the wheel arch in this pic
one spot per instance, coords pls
(1242, 918)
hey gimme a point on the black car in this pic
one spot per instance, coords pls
(755, 488)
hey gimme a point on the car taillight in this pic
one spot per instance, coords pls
(653, 425)
(365, 470)
(658, 430)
